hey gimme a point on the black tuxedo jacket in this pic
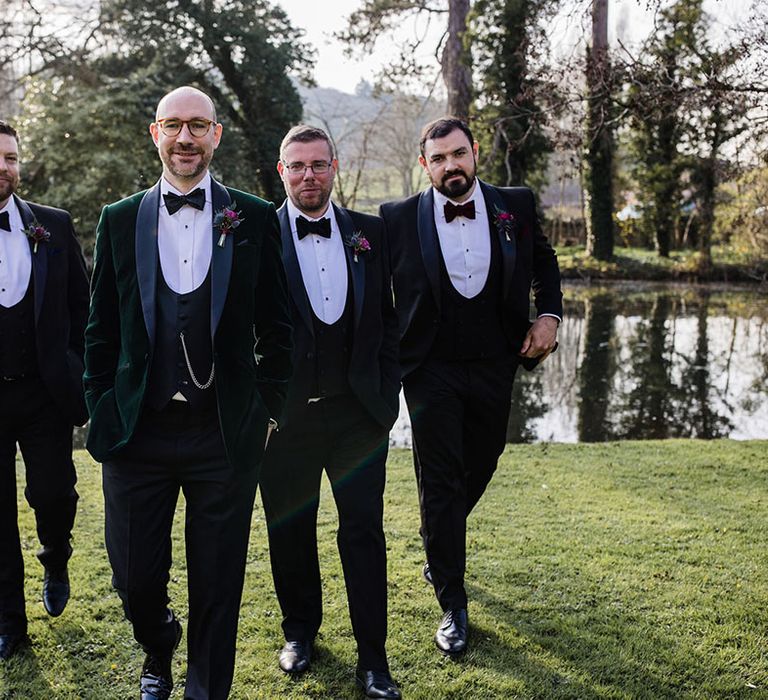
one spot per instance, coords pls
(250, 323)
(60, 287)
(528, 262)
(374, 374)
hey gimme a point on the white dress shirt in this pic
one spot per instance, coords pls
(185, 240)
(323, 265)
(465, 244)
(15, 259)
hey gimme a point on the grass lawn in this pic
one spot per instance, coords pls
(728, 265)
(619, 570)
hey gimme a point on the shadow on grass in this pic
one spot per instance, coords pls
(610, 651)
(21, 677)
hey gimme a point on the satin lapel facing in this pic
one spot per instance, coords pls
(427, 231)
(39, 259)
(347, 230)
(494, 201)
(292, 269)
(221, 257)
(146, 257)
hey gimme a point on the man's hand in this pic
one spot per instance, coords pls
(540, 339)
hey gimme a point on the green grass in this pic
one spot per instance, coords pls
(728, 265)
(620, 570)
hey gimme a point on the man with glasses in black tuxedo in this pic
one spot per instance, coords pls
(187, 359)
(342, 401)
(43, 308)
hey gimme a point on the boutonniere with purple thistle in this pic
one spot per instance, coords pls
(36, 233)
(359, 243)
(227, 219)
(504, 222)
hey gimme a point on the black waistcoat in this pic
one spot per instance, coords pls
(191, 314)
(333, 343)
(18, 354)
(471, 329)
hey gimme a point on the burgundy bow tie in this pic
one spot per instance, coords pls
(453, 210)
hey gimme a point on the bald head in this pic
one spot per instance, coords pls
(184, 93)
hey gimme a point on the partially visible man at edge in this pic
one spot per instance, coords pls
(43, 308)
(187, 358)
(465, 256)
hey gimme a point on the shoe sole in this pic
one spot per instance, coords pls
(451, 654)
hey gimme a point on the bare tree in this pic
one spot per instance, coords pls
(599, 137)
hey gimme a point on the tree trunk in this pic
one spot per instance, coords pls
(455, 61)
(708, 187)
(599, 172)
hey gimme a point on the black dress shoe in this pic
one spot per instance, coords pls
(10, 644)
(295, 656)
(427, 574)
(451, 636)
(156, 682)
(377, 684)
(55, 591)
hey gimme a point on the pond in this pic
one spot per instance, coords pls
(640, 361)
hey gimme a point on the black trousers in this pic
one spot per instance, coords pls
(29, 416)
(177, 450)
(459, 413)
(338, 435)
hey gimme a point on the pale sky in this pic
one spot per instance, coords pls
(628, 19)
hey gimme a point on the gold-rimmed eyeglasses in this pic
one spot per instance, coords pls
(172, 126)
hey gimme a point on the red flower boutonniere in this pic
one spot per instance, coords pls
(36, 233)
(359, 243)
(505, 222)
(227, 220)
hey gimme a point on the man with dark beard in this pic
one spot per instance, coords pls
(465, 256)
(187, 356)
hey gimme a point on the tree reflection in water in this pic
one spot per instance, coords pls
(647, 361)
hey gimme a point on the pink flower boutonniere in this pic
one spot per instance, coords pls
(227, 219)
(36, 233)
(504, 221)
(359, 243)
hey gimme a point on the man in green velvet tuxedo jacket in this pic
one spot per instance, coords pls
(187, 358)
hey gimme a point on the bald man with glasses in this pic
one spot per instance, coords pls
(187, 359)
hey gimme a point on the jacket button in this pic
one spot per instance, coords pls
(310, 356)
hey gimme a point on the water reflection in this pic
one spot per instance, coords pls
(647, 361)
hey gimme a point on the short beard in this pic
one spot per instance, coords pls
(315, 210)
(458, 188)
(7, 189)
(185, 175)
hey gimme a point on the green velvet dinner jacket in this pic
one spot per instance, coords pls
(250, 323)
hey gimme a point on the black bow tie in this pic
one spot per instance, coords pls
(5, 220)
(322, 227)
(174, 202)
(453, 210)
